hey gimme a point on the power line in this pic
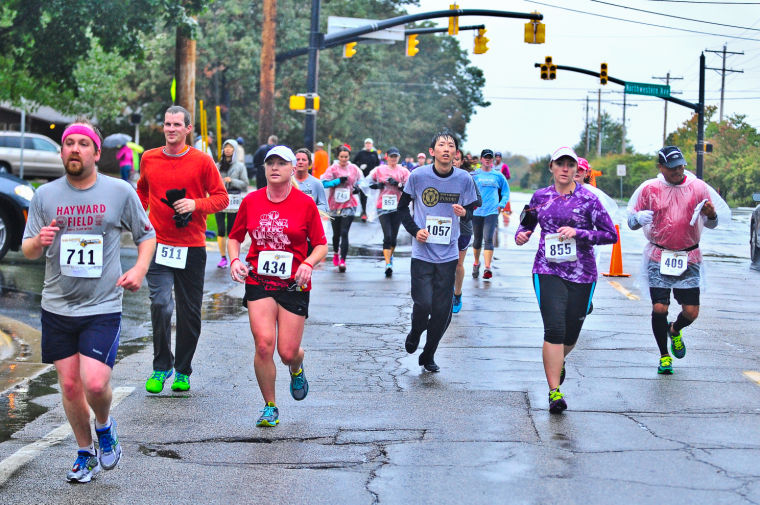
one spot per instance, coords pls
(706, 2)
(723, 73)
(665, 119)
(676, 17)
(642, 22)
(641, 100)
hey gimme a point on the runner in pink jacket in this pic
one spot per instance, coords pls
(389, 180)
(673, 209)
(341, 178)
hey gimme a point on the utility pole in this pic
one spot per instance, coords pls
(599, 124)
(184, 71)
(624, 104)
(622, 139)
(667, 79)
(723, 71)
(588, 137)
(267, 68)
(316, 39)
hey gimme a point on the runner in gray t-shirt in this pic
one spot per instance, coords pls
(441, 194)
(79, 219)
(307, 183)
(101, 211)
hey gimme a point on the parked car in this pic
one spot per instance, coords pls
(42, 156)
(15, 198)
(754, 231)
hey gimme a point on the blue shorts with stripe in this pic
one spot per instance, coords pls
(95, 336)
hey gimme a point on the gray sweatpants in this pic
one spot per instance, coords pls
(188, 288)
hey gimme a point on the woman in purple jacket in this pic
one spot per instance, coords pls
(564, 272)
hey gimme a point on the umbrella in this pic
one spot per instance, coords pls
(116, 140)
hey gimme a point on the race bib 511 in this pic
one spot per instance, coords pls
(171, 256)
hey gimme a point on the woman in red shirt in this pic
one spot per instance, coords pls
(277, 273)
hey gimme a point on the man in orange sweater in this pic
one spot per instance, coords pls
(180, 186)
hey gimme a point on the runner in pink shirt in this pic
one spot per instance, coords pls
(389, 179)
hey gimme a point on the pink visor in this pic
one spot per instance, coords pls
(82, 129)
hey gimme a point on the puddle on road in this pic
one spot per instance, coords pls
(20, 284)
(219, 306)
(17, 406)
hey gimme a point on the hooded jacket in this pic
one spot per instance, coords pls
(236, 170)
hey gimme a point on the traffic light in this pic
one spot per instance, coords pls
(411, 45)
(349, 50)
(453, 21)
(548, 69)
(480, 42)
(603, 74)
(535, 32)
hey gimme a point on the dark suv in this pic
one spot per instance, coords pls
(15, 197)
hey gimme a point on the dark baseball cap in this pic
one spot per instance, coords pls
(671, 157)
(497, 153)
(392, 151)
(485, 153)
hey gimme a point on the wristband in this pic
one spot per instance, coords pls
(234, 260)
(307, 264)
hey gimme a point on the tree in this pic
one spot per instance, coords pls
(43, 40)
(379, 93)
(612, 137)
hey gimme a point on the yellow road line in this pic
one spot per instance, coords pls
(624, 291)
(753, 376)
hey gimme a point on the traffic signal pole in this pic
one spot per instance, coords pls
(319, 41)
(699, 107)
(417, 31)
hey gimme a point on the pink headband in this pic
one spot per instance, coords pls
(82, 129)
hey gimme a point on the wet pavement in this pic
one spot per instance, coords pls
(377, 429)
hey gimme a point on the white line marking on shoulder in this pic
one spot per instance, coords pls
(27, 453)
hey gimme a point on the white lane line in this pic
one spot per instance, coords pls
(27, 453)
(753, 376)
(624, 291)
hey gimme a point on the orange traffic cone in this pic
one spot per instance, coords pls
(616, 260)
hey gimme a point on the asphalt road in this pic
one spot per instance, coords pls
(377, 429)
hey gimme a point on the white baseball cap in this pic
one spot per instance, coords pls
(564, 151)
(368, 140)
(283, 152)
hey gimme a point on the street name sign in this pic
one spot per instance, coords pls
(643, 88)
(337, 24)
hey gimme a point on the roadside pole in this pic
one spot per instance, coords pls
(701, 118)
(312, 77)
(23, 129)
(621, 174)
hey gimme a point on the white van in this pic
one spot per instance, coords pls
(42, 156)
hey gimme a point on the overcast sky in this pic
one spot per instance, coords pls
(532, 117)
